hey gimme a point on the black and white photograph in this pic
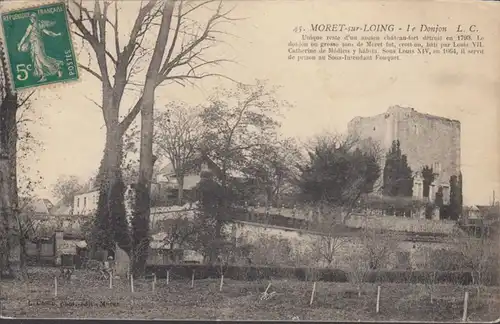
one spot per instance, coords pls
(277, 160)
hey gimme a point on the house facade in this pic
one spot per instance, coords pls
(85, 203)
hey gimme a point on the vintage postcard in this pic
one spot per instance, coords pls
(250, 160)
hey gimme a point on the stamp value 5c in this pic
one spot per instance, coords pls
(38, 47)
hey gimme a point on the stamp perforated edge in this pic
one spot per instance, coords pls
(5, 54)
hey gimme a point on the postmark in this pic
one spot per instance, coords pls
(37, 46)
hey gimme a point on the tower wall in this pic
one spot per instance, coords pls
(425, 139)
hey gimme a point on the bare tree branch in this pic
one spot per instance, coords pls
(95, 74)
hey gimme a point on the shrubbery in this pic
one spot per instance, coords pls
(446, 260)
(421, 276)
(250, 273)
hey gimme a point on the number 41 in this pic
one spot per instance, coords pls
(22, 71)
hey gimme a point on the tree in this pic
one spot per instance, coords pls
(66, 187)
(179, 231)
(439, 199)
(119, 67)
(237, 123)
(428, 176)
(272, 251)
(214, 206)
(272, 167)
(337, 174)
(326, 243)
(178, 135)
(14, 139)
(29, 230)
(456, 196)
(377, 247)
(8, 192)
(480, 256)
(398, 179)
(130, 164)
(327, 246)
(359, 268)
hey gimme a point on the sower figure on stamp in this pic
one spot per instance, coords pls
(32, 41)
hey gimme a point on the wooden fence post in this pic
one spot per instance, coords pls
(312, 293)
(466, 301)
(378, 300)
(221, 282)
(268, 286)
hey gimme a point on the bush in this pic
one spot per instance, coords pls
(251, 273)
(422, 276)
(446, 260)
(245, 273)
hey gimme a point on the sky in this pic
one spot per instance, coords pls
(325, 95)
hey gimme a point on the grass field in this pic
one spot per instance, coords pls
(85, 297)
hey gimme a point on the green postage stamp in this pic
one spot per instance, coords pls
(38, 47)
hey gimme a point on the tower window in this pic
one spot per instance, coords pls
(437, 167)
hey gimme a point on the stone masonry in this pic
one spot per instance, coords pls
(425, 139)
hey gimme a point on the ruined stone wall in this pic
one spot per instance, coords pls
(425, 139)
(377, 129)
(429, 140)
(302, 242)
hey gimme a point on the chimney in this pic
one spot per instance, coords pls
(90, 184)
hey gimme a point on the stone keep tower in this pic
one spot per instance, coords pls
(425, 139)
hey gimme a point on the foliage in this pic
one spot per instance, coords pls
(327, 246)
(438, 200)
(456, 199)
(326, 221)
(391, 203)
(180, 231)
(110, 223)
(398, 179)
(337, 173)
(139, 228)
(178, 135)
(17, 146)
(86, 229)
(359, 267)
(130, 163)
(335, 178)
(428, 176)
(237, 122)
(240, 272)
(480, 257)
(65, 189)
(377, 248)
(214, 210)
(233, 252)
(272, 251)
(446, 260)
(119, 66)
(272, 169)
